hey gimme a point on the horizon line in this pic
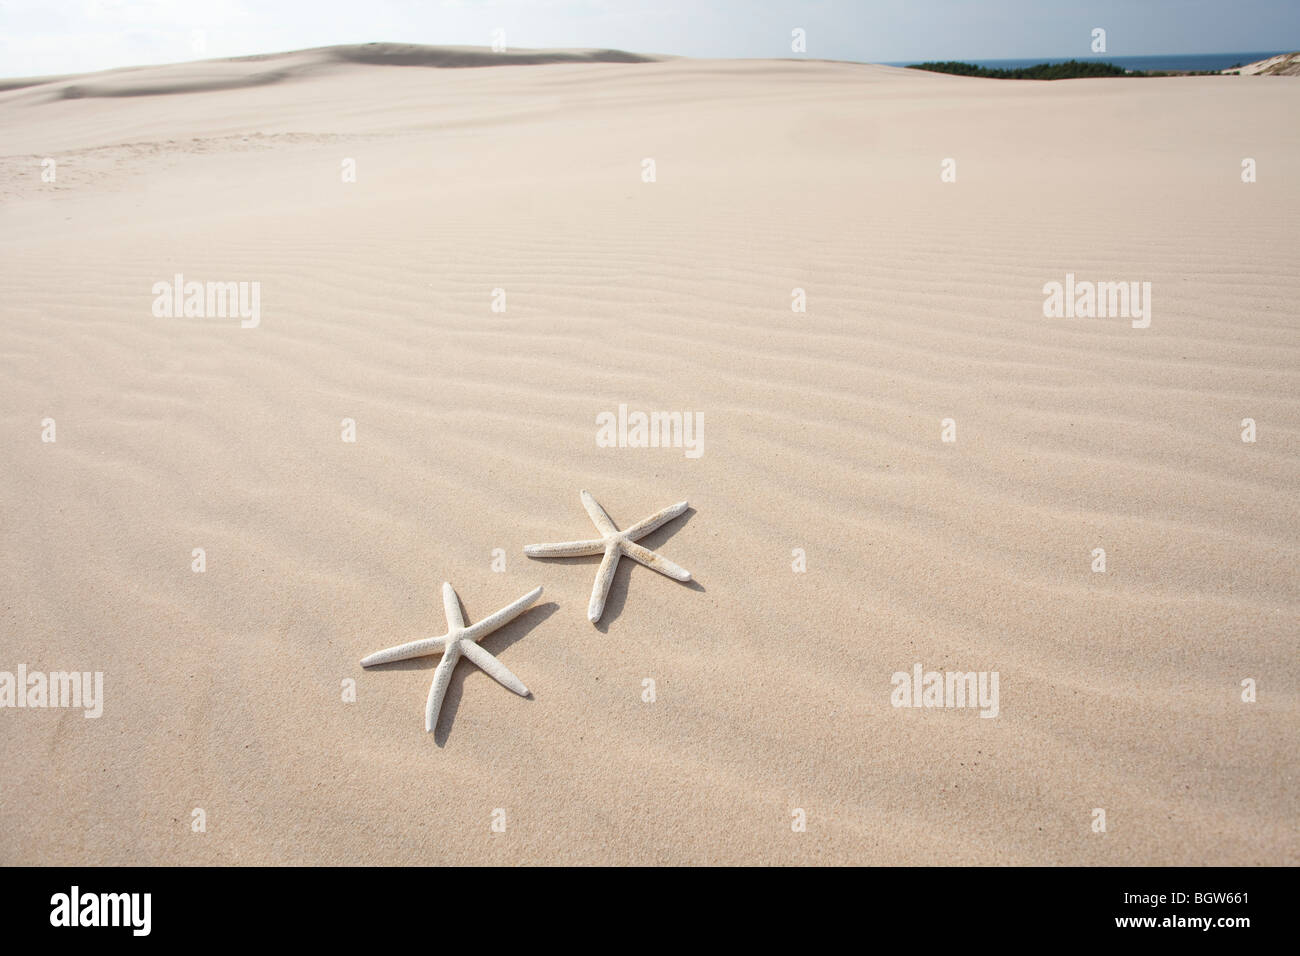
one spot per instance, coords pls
(1044, 58)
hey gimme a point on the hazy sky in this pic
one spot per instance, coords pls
(40, 37)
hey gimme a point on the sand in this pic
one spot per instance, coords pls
(223, 691)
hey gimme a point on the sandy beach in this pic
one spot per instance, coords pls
(471, 264)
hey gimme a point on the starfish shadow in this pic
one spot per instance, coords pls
(496, 642)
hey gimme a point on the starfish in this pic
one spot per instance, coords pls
(614, 544)
(459, 640)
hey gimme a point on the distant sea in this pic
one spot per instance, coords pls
(1189, 61)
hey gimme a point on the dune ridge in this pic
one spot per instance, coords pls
(233, 73)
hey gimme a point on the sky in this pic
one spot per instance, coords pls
(48, 37)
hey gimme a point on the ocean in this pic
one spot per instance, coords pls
(1187, 61)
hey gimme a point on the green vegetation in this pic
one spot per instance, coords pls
(1069, 70)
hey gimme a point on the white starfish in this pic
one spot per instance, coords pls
(458, 640)
(614, 544)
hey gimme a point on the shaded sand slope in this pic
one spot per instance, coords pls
(475, 431)
(268, 68)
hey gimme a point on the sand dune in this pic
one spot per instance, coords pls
(265, 69)
(476, 429)
(1286, 64)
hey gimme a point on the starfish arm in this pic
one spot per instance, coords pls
(441, 678)
(656, 561)
(502, 617)
(655, 521)
(604, 524)
(604, 578)
(494, 668)
(404, 652)
(451, 605)
(565, 549)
